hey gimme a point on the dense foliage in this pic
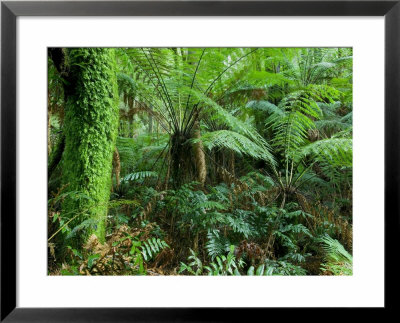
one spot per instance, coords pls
(200, 161)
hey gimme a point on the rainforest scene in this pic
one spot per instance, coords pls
(200, 161)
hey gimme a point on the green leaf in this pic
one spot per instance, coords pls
(149, 253)
(75, 252)
(260, 270)
(144, 254)
(250, 272)
(91, 259)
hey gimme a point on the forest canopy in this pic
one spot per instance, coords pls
(200, 161)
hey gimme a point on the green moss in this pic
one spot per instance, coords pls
(91, 124)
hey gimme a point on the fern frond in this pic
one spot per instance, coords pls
(265, 106)
(234, 141)
(336, 152)
(151, 247)
(216, 244)
(337, 259)
(224, 117)
(126, 84)
(139, 175)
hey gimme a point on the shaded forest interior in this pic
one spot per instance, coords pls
(200, 161)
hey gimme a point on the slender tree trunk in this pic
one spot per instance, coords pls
(48, 133)
(157, 132)
(151, 121)
(232, 163)
(91, 125)
(196, 242)
(199, 155)
(117, 166)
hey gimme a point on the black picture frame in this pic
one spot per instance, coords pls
(11, 10)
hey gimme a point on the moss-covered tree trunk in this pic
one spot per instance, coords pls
(91, 125)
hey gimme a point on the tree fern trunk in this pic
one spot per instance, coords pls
(91, 124)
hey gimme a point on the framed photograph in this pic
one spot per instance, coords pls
(187, 160)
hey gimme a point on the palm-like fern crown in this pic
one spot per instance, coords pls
(182, 84)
